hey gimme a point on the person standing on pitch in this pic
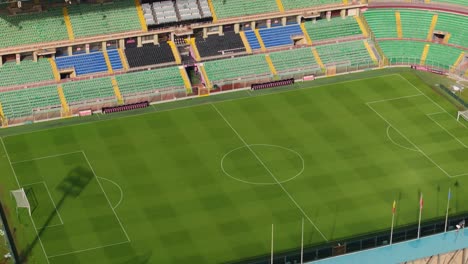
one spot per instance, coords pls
(461, 225)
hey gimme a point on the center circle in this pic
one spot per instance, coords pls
(262, 164)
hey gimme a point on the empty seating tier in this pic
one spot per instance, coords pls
(344, 54)
(144, 81)
(21, 103)
(188, 9)
(225, 9)
(382, 22)
(252, 39)
(88, 90)
(114, 59)
(335, 28)
(237, 67)
(83, 63)
(215, 45)
(455, 2)
(99, 19)
(295, 60)
(442, 56)
(297, 4)
(205, 8)
(32, 28)
(402, 51)
(149, 54)
(280, 36)
(456, 25)
(25, 72)
(415, 24)
(164, 12)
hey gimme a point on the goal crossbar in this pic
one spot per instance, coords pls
(21, 199)
(463, 114)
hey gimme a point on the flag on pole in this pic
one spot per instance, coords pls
(394, 207)
(421, 202)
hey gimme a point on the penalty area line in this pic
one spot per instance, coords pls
(269, 171)
(87, 249)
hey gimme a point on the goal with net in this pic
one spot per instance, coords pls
(463, 114)
(21, 200)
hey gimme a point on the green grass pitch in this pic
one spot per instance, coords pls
(204, 184)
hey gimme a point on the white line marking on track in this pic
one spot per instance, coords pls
(19, 186)
(120, 189)
(269, 171)
(399, 145)
(88, 249)
(105, 194)
(46, 157)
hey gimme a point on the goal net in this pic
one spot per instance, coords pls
(463, 114)
(21, 200)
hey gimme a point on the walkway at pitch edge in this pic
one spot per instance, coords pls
(406, 251)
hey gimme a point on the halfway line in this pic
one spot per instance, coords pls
(269, 171)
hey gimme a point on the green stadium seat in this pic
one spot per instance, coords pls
(32, 28)
(402, 51)
(294, 61)
(237, 67)
(144, 81)
(88, 90)
(456, 25)
(335, 28)
(297, 4)
(455, 2)
(415, 24)
(382, 22)
(99, 19)
(26, 72)
(350, 53)
(21, 103)
(225, 9)
(442, 56)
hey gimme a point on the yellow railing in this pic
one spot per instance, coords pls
(458, 61)
(260, 40)
(194, 48)
(446, 38)
(424, 54)
(248, 49)
(201, 68)
(183, 74)
(175, 51)
(68, 24)
(213, 13)
(433, 25)
(306, 35)
(317, 58)
(123, 58)
(141, 17)
(270, 64)
(117, 93)
(280, 5)
(55, 71)
(361, 26)
(63, 102)
(2, 117)
(371, 52)
(398, 24)
(108, 63)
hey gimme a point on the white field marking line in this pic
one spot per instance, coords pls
(105, 194)
(19, 186)
(88, 249)
(49, 226)
(399, 145)
(443, 109)
(46, 157)
(458, 175)
(263, 183)
(415, 146)
(203, 104)
(396, 98)
(448, 132)
(50, 196)
(118, 186)
(438, 113)
(269, 171)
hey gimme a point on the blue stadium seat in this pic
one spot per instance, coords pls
(114, 59)
(280, 36)
(83, 64)
(253, 41)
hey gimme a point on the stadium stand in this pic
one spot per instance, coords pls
(25, 72)
(295, 60)
(99, 19)
(205, 9)
(456, 25)
(415, 24)
(89, 63)
(226, 9)
(149, 54)
(215, 45)
(280, 36)
(148, 14)
(188, 10)
(402, 51)
(25, 29)
(344, 54)
(442, 56)
(144, 81)
(297, 4)
(382, 22)
(20, 103)
(335, 28)
(88, 90)
(237, 67)
(164, 12)
(455, 2)
(252, 39)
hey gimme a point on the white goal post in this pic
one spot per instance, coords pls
(463, 114)
(21, 200)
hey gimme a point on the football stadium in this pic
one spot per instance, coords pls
(233, 131)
